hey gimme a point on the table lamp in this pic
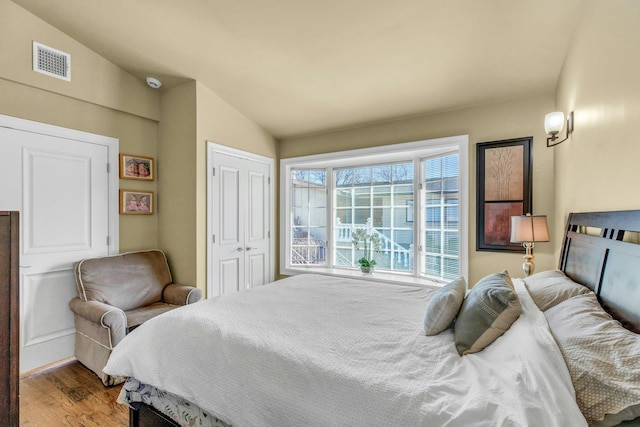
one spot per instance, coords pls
(528, 229)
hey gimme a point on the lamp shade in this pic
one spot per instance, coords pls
(529, 228)
(553, 122)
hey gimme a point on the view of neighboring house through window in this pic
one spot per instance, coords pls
(420, 232)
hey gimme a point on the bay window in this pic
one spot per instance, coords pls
(410, 195)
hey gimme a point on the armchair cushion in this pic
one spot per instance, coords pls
(126, 281)
(138, 316)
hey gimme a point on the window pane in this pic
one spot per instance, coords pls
(344, 216)
(308, 216)
(382, 217)
(363, 196)
(442, 220)
(344, 178)
(381, 175)
(451, 243)
(360, 216)
(343, 198)
(432, 265)
(451, 268)
(361, 176)
(403, 173)
(432, 242)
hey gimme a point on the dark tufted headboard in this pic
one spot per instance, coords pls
(600, 250)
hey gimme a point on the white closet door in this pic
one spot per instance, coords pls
(257, 242)
(229, 242)
(240, 215)
(61, 188)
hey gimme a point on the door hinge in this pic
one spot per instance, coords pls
(108, 240)
(214, 171)
(269, 180)
(108, 167)
(268, 234)
(214, 238)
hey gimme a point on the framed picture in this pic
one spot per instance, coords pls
(504, 185)
(136, 202)
(137, 167)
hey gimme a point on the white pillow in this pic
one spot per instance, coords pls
(550, 288)
(444, 306)
(603, 359)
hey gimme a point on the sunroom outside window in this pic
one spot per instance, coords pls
(380, 199)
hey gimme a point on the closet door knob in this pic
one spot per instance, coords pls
(240, 249)
(250, 248)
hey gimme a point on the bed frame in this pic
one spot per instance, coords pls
(606, 262)
(599, 250)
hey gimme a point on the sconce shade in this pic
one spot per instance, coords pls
(554, 122)
(529, 228)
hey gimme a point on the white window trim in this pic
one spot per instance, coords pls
(381, 154)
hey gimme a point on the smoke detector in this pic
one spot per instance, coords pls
(154, 83)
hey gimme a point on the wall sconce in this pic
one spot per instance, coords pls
(527, 229)
(553, 124)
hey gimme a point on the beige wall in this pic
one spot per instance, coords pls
(597, 168)
(177, 181)
(506, 120)
(191, 115)
(101, 98)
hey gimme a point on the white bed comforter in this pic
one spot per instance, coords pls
(322, 351)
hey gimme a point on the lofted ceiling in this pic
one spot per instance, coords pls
(299, 66)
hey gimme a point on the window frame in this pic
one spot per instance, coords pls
(411, 151)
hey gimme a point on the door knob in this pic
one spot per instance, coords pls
(250, 248)
(239, 249)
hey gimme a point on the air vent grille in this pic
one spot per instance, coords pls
(52, 62)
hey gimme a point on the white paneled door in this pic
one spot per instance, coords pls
(240, 219)
(61, 187)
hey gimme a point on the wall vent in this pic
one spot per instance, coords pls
(52, 62)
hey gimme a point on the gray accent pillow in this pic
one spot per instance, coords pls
(550, 288)
(487, 312)
(443, 306)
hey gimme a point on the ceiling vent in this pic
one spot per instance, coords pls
(52, 62)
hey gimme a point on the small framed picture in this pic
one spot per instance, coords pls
(135, 202)
(137, 167)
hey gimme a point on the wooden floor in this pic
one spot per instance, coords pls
(69, 395)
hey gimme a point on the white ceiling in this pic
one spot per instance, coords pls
(304, 66)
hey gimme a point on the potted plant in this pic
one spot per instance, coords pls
(371, 243)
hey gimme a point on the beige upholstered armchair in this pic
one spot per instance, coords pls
(116, 294)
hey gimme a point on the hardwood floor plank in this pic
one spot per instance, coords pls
(69, 395)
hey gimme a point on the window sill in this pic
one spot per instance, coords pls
(378, 276)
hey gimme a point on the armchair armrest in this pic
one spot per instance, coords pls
(107, 316)
(177, 294)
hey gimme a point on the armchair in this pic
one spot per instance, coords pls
(115, 295)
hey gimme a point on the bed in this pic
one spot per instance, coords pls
(318, 350)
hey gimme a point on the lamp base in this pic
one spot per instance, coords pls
(528, 266)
